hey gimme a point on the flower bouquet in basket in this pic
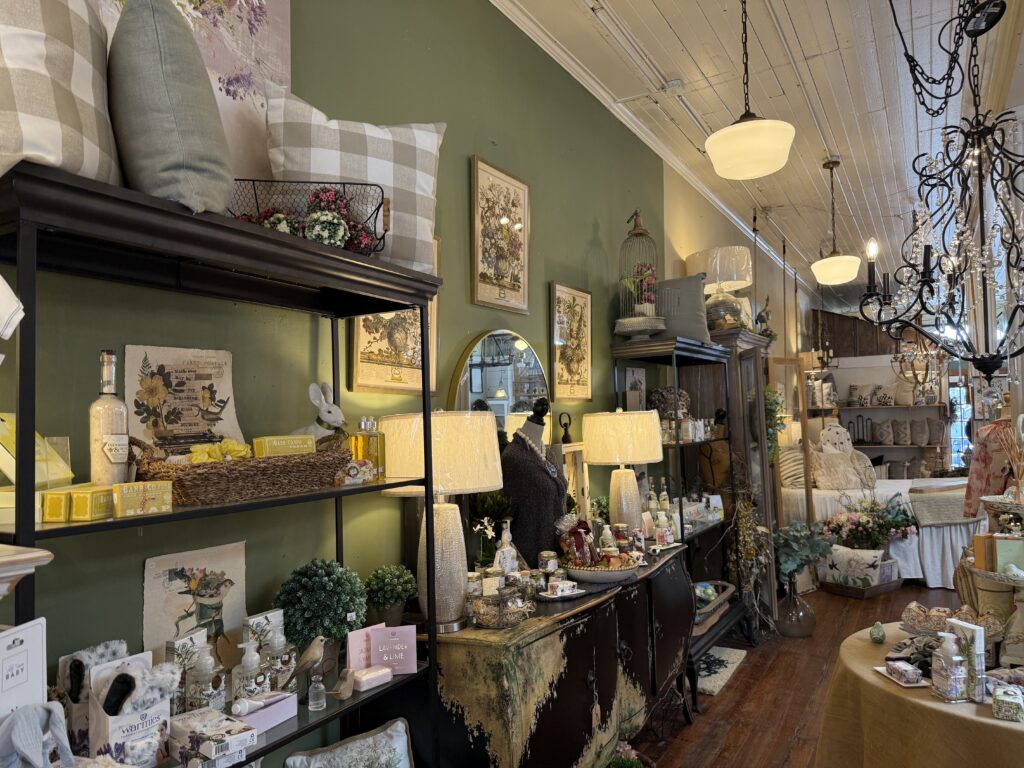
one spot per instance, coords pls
(860, 537)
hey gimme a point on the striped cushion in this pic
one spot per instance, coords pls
(791, 467)
(306, 145)
(53, 88)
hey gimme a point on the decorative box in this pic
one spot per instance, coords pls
(23, 666)
(273, 714)
(213, 733)
(558, 588)
(139, 736)
(95, 502)
(971, 639)
(134, 499)
(259, 626)
(371, 677)
(984, 552)
(190, 758)
(7, 505)
(1008, 703)
(903, 671)
(184, 651)
(283, 445)
(1009, 549)
(56, 503)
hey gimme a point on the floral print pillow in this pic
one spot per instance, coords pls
(859, 395)
(384, 747)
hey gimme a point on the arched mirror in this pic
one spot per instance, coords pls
(499, 370)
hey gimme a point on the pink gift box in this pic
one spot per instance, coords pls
(267, 717)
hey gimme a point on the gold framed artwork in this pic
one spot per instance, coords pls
(571, 339)
(386, 350)
(501, 239)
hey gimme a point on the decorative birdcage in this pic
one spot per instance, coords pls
(638, 280)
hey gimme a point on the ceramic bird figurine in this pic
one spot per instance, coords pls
(312, 657)
(877, 633)
(343, 690)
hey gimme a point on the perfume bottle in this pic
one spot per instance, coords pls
(663, 496)
(368, 445)
(507, 557)
(108, 428)
(317, 693)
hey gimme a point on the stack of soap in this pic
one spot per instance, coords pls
(371, 677)
(903, 671)
(563, 587)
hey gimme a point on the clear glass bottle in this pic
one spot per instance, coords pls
(247, 679)
(368, 445)
(282, 662)
(317, 693)
(506, 558)
(108, 428)
(663, 496)
(204, 688)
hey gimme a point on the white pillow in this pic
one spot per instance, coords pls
(859, 395)
(904, 392)
(884, 395)
(862, 466)
(835, 439)
(791, 467)
(306, 145)
(834, 472)
(388, 746)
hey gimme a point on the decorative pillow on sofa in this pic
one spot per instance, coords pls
(865, 471)
(306, 145)
(900, 432)
(859, 395)
(881, 432)
(791, 467)
(168, 127)
(388, 746)
(53, 88)
(835, 439)
(834, 471)
(919, 432)
(936, 431)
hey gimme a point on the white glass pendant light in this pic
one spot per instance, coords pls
(753, 146)
(836, 268)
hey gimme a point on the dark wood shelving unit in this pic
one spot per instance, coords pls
(57, 222)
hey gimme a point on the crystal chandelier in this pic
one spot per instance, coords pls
(916, 364)
(959, 281)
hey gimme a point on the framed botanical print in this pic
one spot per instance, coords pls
(386, 350)
(501, 239)
(571, 338)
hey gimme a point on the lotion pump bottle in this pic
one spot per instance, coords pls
(201, 687)
(247, 679)
(949, 670)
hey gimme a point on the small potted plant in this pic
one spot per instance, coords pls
(797, 546)
(322, 597)
(491, 508)
(387, 589)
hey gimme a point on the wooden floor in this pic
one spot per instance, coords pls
(768, 714)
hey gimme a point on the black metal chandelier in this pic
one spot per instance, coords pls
(960, 279)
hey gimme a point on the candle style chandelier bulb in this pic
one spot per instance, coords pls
(871, 250)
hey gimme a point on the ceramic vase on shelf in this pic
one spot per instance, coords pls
(796, 617)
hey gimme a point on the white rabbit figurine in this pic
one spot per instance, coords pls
(329, 420)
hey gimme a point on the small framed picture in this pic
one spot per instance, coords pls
(501, 239)
(571, 339)
(386, 353)
(636, 389)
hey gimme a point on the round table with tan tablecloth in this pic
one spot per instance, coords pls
(871, 721)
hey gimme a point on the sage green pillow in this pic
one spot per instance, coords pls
(168, 129)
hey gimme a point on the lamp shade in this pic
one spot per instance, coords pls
(515, 421)
(622, 437)
(464, 445)
(728, 267)
(836, 269)
(750, 148)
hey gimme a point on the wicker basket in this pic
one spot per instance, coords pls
(225, 482)
(708, 616)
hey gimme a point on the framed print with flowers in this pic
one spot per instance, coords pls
(571, 339)
(501, 239)
(386, 351)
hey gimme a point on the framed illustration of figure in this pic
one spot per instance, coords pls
(571, 339)
(385, 348)
(501, 239)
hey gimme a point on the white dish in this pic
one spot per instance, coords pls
(883, 673)
(566, 596)
(601, 575)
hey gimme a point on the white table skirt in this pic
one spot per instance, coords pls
(932, 553)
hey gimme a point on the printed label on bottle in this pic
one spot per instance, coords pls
(116, 448)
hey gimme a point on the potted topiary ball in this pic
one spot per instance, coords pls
(387, 589)
(322, 597)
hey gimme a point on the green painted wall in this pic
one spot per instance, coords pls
(457, 61)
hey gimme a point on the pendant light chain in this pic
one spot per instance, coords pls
(832, 192)
(746, 60)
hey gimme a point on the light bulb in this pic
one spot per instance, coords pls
(871, 249)
(504, 220)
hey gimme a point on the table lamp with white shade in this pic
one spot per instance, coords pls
(465, 455)
(618, 439)
(515, 421)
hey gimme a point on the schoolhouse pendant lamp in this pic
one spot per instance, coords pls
(753, 146)
(836, 268)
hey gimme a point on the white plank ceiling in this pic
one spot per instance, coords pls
(832, 68)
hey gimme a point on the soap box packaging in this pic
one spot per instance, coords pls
(259, 626)
(216, 733)
(190, 758)
(971, 639)
(129, 735)
(94, 502)
(394, 647)
(359, 647)
(56, 503)
(272, 715)
(1009, 548)
(283, 445)
(23, 666)
(184, 651)
(984, 556)
(149, 498)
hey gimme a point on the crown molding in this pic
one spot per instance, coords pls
(518, 15)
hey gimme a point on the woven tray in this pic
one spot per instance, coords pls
(725, 591)
(224, 482)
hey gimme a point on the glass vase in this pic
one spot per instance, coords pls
(796, 617)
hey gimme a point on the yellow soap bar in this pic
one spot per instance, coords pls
(57, 503)
(93, 503)
(283, 445)
(152, 498)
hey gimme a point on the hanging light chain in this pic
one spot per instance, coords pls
(746, 60)
(832, 192)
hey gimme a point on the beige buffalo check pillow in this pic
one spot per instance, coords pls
(53, 88)
(306, 145)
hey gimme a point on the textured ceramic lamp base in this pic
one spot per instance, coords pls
(449, 568)
(624, 499)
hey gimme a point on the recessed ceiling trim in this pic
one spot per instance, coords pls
(532, 29)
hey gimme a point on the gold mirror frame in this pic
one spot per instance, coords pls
(462, 367)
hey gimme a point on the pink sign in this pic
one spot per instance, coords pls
(359, 647)
(394, 647)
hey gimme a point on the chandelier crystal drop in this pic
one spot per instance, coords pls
(753, 146)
